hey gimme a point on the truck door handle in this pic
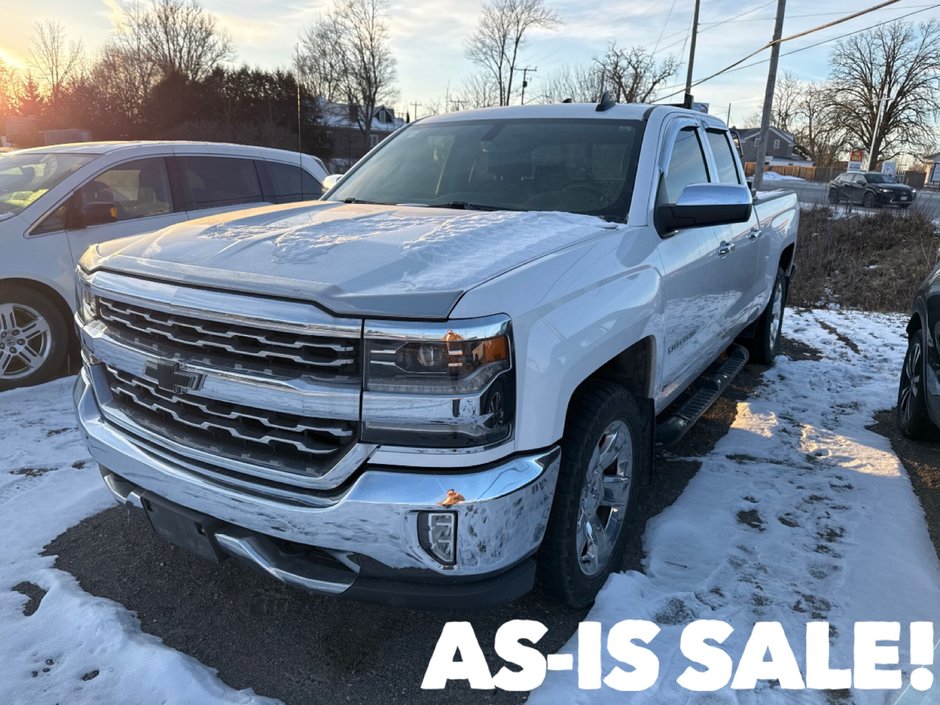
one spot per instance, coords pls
(725, 249)
(755, 232)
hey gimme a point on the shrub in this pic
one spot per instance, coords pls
(867, 261)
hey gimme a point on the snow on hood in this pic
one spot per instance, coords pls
(356, 258)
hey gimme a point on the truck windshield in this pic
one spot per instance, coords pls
(578, 166)
(26, 176)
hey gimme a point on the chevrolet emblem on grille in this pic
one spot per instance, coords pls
(170, 376)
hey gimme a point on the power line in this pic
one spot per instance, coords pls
(830, 39)
(795, 36)
(665, 24)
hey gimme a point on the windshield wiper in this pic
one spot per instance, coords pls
(467, 206)
(371, 203)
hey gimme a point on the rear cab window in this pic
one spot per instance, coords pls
(723, 153)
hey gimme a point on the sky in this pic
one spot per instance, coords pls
(428, 37)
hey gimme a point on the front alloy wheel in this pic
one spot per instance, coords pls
(25, 341)
(604, 446)
(34, 337)
(604, 498)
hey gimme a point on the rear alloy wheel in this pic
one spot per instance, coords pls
(763, 346)
(868, 200)
(601, 452)
(913, 417)
(33, 338)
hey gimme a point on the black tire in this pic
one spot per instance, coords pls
(565, 566)
(19, 307)
(834, 196)
(868, 200)
(765, 343)
(912, 415)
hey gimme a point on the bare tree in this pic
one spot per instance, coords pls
(501, 34)
(175, 37)
(788, 92)
(816, 124)
(8, 81)
(318, 63)
(579, 83)
(362, 67)
(899, 63)
(632, 75)
(478, 91)
(55, 59)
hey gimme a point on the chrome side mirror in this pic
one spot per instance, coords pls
(706, 204)
(331, 181)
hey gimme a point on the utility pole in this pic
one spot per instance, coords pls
(728, 121)
(769, 97)
(297, 69)
(525, 82)
(687, 101)
(874, 134)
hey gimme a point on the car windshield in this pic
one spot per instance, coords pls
(25, 176)
(879, 179)
(578, 166)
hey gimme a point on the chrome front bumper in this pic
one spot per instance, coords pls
(370, 526)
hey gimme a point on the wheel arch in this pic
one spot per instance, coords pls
(44, 290)
(635, 369)
(786, 258)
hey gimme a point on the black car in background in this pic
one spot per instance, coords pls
(918, 408)
(871, 189)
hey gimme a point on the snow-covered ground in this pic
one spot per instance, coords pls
(798, 514)
(47, 484)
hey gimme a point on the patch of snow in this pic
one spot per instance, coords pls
(774, 176)
(48, 483)
(800, 513)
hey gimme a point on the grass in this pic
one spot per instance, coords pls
(866, 261)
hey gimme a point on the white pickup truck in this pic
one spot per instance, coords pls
(449, 376)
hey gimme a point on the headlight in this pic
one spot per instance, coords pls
(87, 303)
(885, 190)
(443, 385)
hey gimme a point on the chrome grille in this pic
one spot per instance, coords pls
(241, 346)
(271, 439)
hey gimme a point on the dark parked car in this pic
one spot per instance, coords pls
(919, 390)
(871, 189)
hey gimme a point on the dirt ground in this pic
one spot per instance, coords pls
(921, 459)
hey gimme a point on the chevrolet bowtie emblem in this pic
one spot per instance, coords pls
(170, 376)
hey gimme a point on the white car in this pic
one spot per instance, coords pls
(57, 201)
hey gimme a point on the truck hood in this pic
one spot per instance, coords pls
(352, 259)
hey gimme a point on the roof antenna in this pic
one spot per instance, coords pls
(605, 103)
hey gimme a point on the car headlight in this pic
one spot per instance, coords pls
(87, 302)
(439, 385)
(885, 190)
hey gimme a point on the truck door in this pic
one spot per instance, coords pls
(698, 281)
(745, 262)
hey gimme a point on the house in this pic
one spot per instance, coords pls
(349, 142)
(782, 149)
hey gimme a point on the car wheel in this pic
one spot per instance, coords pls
(764, 344)
(34, 338)
(602, 450)
(869, 200)
(833, 195)
(913, 417)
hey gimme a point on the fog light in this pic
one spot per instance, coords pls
(437, 534)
